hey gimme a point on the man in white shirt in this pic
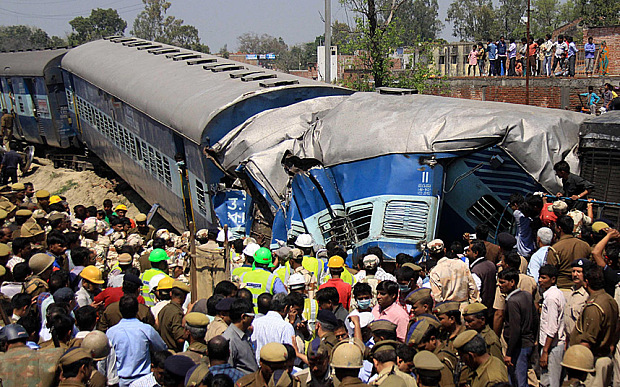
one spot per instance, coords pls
(544, 237)
(274, 327)
(552, 336)
(547, 49)
(561, 47)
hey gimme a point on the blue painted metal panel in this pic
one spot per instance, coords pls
(233, 207)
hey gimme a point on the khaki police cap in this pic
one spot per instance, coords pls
(140, 218)
(42, 194)
(18, 187)
(6, 205)
(125, 259)
(23, 213)
(40, 262)
(464, 338)
(74, 354)
(56, 215)
(31, 229)
(417, 295)
(385, 345)
(382, 325)
(2, 270)
(195, 319)
(273, 352)
(419, 330)
(5, 250)
(446, 306)
(427, 361)
(181, 286)
(196, 375)
(3, 214)
(412, 266)
(474, 308)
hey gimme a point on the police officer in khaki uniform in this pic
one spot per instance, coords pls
(449, 315)
(142, 229)
(222, 319)
(195, 329)
(424, 336)
(596, 326)
(41, 265)
(272, 371)
(210, 266)
(76, 367)
(428, 369)
(171, 318)
(577, 297)
(475, 316)
(487, 369)
(43, 199)
(578, 363)
(384, 358)
(347, 359)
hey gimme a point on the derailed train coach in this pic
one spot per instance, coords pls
(31, 86)
(395, 170)
(148, 109)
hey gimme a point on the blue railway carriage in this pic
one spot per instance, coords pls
(31, 85)
(396, 170)
(148, 109)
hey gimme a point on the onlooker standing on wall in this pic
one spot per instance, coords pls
(492, 50)
(501, 54)
(472, 60)
(482, 58)
(512, 56)
(590, 49)
(572, 56)
(540, 55)
(531, 57)
(561, 47)
(547, 50)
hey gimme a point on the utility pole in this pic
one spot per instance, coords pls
(328, 40)
(527, 57)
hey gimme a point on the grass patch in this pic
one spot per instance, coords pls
(68, 185)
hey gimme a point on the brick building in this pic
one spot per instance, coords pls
(611, 35)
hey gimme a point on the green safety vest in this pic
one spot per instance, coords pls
(314, 266)
(283, 272)
(258, 281)
(240, 270)
(146, 278)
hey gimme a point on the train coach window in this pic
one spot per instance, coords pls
(488, 210)
(200, 196)
(405, 219)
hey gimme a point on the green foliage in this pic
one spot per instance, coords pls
(419, 72)
(417, 21)
(22, 37)
(545, 17)
(153, 24)
(473, 19)
(224, 52)
(509, 14)
(100, 23)
(599, 12)
(252, 43)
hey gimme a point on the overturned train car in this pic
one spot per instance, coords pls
(392, 171)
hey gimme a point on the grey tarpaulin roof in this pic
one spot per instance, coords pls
(28, 63)
(183, 97)
(367, 125)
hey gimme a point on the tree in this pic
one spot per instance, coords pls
(510, 13)
(252, 43)
(599, 12)
(418, 21)
(22, 37)
(224, 52)
(100, 23)
(473, 19)
(153, 24)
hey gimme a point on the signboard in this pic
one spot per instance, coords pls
(231, 207)
(251, 56)
(271, 56)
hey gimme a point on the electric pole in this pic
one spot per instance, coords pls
(328, 40)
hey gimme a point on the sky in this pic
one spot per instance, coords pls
(219, 22)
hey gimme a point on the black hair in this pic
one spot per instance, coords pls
(159, 243)
(219, 380)
(279, 302)
(245, 294)
(361, 288)
(72, 370)
(516, 198)
(178, 293)
(130, 288)
(56, 238)
(456, 314)
(549, 270)
(62, 324)
(159, 358)
(263, 302)
(58, 279)
(595, 278)
(212, 302)
(80, 255)
(114, 220)
(31, 323)
(218, 348)
(405, 352)
(561, 166)
(389, 287)
(225, 288)
(290, 352)
(21, 271)
(91, 211)
(513, 259)
(385, 356)
(19, 244)
(509, 275)
(107, 203)
(402, 258)
(172, 379)
(238, 246)
(296, 299)
(482, 232)
(404, 274)
(432, 378)
(476, 345)
(566, 224)
(101, 213)
(239, 308)
(128, 306)
(20, 300)
(71, 238)
(329, 294)
(86, 318)
(478, 247)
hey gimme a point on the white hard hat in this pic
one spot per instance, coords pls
(250, 249)
(155, 281)
(304, 240)
(296, 279)
(220, 236)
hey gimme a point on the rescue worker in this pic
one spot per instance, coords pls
(142, 229)
(115, 276)
(260, 280)
(428, 369)
(210, 266)
(596, 326)
(196, 325)
(384, 358)
(272, 369)
(41, 265)
(159, 265)
(578, 363)
(248, 260)
(296, 266)
(475, 316)
(347, 359)
(6, 123)
(487, 369)
(76, 367)
(171, 318)
(316, 266)
(91, 285)
(104, 356)
(297, 284)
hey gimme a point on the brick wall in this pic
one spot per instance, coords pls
(611, 35)
(544, 92)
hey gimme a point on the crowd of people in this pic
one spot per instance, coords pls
(542, 57)
(93, 297)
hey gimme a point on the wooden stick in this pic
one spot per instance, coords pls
(192, 262)
(226, 253)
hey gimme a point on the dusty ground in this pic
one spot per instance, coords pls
(86, 187)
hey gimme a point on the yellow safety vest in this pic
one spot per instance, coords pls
(315, 266)
(346, 276)
(146, 278)
(258, 281)
(283, 272)
(240, 270)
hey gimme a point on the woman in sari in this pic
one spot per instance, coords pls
(603, 60)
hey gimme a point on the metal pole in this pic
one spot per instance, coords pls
(192, 263)
(527, 57)
(328, 40)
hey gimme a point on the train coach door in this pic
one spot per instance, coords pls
(186, 194)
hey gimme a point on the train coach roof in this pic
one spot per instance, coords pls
(180, 88)
(602, 131)
(367, 125)
(28, 63)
